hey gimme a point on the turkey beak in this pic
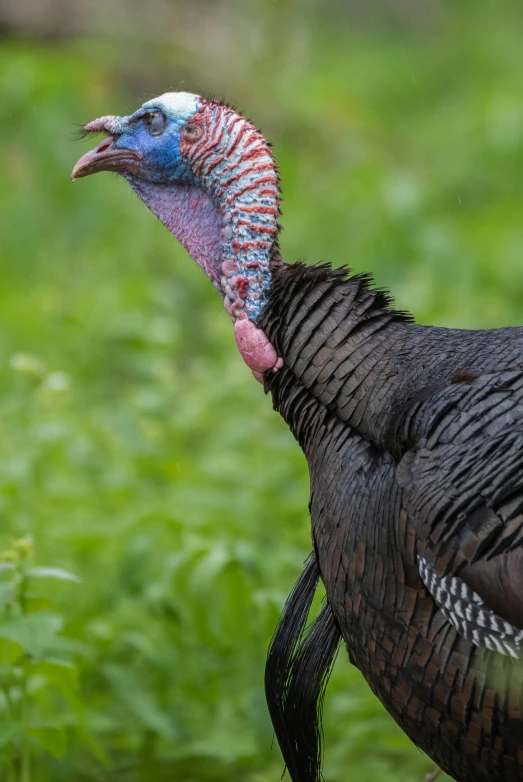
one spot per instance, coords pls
(106, 157)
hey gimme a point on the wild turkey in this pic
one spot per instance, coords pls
(414, 441)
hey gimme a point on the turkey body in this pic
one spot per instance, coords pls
(414, 441)
(413, 436)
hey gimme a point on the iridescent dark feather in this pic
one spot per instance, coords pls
(414, 441)
(296, 674)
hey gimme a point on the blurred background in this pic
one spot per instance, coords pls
(153, 507)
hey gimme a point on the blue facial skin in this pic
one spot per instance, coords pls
(163, 163)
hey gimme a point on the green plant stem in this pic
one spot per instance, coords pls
(25, 762)
(25, 759)
(11, 769)
(25, 766)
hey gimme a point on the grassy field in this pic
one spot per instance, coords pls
(136, 452)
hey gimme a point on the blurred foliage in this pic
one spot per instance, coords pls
(135, 448)
(38, 678)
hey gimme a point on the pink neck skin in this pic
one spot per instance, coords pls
(196, 221)
(192, 217)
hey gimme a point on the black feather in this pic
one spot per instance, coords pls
(81, 133)
(296, 674)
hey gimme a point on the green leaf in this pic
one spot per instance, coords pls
(53, 572)
(139, 700)
(52, 740)
(34, 632)
(8, 732)
(7, 593)
(61, 675)
(10, 652)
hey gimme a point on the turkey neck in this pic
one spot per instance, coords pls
(226, 213)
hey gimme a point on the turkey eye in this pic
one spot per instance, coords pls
(155, 123)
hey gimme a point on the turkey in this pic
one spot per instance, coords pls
(414, 441)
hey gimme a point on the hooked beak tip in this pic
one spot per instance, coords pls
(105, 157)
(90, 162)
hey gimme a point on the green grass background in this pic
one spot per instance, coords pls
(135, 447)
